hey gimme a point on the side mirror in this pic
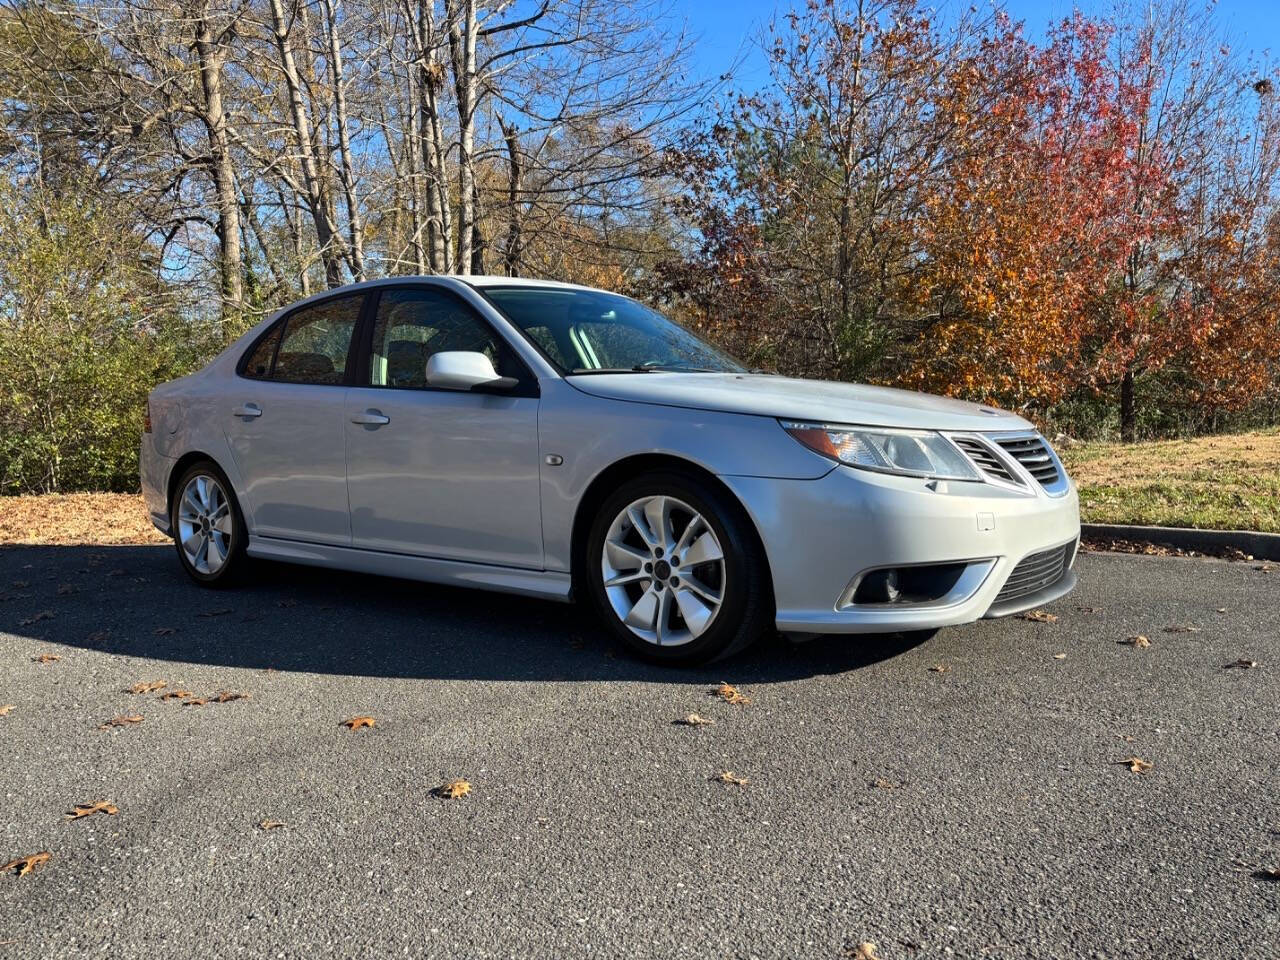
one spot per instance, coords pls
(462, 370)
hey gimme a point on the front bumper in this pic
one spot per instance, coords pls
(821, 535)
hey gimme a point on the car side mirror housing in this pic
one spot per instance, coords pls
(463, 370)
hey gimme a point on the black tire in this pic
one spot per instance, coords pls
(230, 571)
(746, 607)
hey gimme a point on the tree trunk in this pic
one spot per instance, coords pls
(515, 213)
(212, 53)
(1128, 409)
(355, 228)
(326, 232)
(463, 29)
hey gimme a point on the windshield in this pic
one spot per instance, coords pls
(586, 331)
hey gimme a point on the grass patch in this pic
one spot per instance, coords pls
(1227, 482)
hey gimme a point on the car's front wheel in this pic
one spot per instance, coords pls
(676, 572)
(208, 527)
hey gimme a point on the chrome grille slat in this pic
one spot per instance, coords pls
(986, 460)
(1034, 455)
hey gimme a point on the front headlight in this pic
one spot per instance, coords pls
(912, 453)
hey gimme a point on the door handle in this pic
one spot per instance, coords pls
(248, 410)
(371, 418)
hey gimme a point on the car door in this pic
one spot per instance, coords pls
(285, 423)
(433, 472)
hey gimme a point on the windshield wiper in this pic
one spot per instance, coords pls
(676, 367)
(581, 370)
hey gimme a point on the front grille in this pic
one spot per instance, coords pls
(1036, 572)
(1034, 455)
(986, 460)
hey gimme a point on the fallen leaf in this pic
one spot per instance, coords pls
(20, 584)
(729, 776)
(1263, 568)
(1181, 628)
(25, 865)
(214, 613)
(46, 658)
(4, 710)
(226, 696)
(122, 721)
(89, 809)
(1040, 616)
(195, 702)
(453, 789)
(1241, 664)
(165, 631)
(1089, 609)
(271, 824)
(145, 687)
(882, 784)
(863, 951)
(1059, 656)
(731, 694)
(939, 668)
(1135, 764)
(693, 720)
(1222, 609)
(1267, 873)
(178, 694)
(1136, 641)
(36, 618)
(356, 723)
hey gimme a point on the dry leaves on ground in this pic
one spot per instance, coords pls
(1135, 641)
(25, 865)
(126, 720)
(1059, 656)
(226, 696)
(693, 720)
(882, 784)
(863, 951)
(5, 709)
(1040, 616)
(36, 618)
(1089, 609)
(270, 824)
(177, 694)
(358, 723)
(195, 702)
(939, 668)
(1135, 764)
(146, 686)
(728, 776)
(731, 694)
(1241, 664)
(453, 789)
(89, 809)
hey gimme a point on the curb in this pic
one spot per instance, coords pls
(1261, 546)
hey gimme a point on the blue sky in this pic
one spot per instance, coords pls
(726, 28)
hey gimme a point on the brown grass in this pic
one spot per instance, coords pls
(77, 518)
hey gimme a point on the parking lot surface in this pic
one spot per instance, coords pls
(957, 796)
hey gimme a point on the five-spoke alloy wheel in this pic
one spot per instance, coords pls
(675, 570)
(207, 526)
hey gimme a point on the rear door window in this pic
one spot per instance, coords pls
(317, 342)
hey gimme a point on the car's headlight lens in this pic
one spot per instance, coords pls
(913, 453)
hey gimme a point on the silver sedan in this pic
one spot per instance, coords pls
(563, 442)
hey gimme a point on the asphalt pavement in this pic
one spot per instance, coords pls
(956, 797)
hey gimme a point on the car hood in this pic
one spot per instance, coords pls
(791, 399)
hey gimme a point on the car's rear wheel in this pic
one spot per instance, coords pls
(676, 572)
(208, 527)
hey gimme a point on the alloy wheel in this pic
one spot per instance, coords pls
(205, 524)
(664, 570)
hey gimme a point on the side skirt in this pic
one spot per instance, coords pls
(547, 585)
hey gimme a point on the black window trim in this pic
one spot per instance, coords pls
(528, 381)
(281, 325)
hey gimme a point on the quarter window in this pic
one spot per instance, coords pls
(413, 324)
(257, 365)
(316, 342)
